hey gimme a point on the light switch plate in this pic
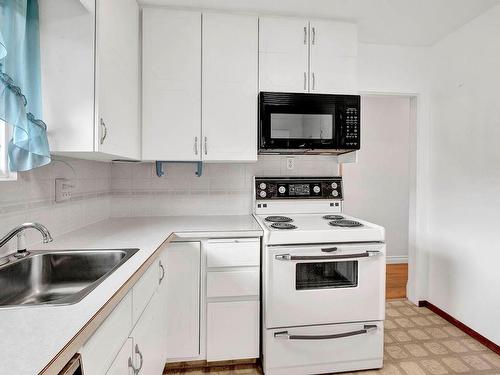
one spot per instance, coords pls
(64, 188)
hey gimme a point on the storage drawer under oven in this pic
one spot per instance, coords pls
(324, 284)
(323, 349)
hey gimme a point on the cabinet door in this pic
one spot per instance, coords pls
(149, 355)
(283, 54)
(333, 65)
(232, 330)
(163, 296)
(183, 295)
(120, 365)
(230, 77)
(117, 78)
(99, 351)
(171, 79)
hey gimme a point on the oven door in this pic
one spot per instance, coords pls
(322, 284)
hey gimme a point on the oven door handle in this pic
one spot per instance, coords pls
(285, 335)
(366, 254)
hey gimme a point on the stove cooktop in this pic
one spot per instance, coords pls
(318, 228)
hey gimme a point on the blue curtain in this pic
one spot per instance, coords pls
(20, 90)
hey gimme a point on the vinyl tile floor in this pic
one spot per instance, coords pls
(417, 342)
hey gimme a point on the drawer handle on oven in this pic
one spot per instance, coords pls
(285, 335)
(323, 257)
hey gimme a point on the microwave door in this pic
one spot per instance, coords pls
(302, 130)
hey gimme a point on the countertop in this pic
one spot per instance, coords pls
(31, 336)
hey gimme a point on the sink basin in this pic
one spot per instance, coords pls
(57, 277)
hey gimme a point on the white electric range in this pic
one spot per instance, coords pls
(323, 278)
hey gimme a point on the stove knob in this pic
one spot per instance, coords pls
(335, 193)
(282, 189)
(334, 185)
(316, 189)
(262, 186)
(262, 194)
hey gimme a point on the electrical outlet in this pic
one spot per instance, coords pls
(290, 163)
(64, 188)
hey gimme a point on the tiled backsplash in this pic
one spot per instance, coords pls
(222, 189)
(31, 198)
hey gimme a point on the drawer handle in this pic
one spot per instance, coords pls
(366, 254)
(162, 272)
(329, 249)
(285, 335)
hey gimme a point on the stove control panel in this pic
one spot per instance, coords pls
(298, 188)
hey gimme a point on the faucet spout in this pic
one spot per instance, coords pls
(21, 228)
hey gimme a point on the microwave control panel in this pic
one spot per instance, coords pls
(351, 134)
(298, 188)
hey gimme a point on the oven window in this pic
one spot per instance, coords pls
(302, 126)
(323, 275)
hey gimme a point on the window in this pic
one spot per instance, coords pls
(5, 174)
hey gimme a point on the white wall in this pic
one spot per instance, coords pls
(377, 187)
(392, 69)
(464, 190)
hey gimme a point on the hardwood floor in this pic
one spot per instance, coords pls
(396, 279)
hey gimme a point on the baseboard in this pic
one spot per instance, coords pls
(396, 259)
(475, 335)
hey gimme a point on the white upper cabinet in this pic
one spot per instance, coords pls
(299, 55)
(90, 77)
(171, 79)
(194, 110)
(283, 54)
(230, 79)
(333, 57)
(117, 78)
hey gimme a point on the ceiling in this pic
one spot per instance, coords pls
(403, 22)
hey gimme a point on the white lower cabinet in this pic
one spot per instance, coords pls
(133, 336)
(232, 295)
(232, 330)
(100, 350)
(120, 365)
(189, 305)
(183, 296)
(148, 349)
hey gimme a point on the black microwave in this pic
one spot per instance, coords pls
(297, 123)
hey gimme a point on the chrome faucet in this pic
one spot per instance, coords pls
(21, 239)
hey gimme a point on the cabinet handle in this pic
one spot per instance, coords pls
(196, 145)
(305, 35)
(313, 81)
(314, 35)
(206, 148)
(305, 81)
(141, 359)
(162, 272)
(131, 365)
(104, 131)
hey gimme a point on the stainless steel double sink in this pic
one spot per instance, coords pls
(59, 277)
